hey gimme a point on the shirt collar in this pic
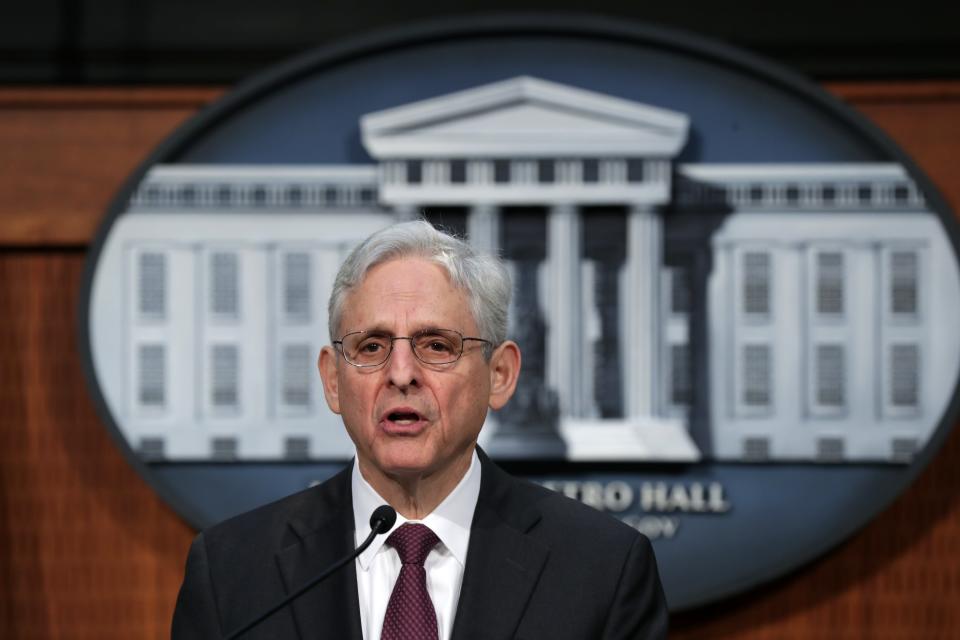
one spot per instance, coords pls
(451, 519)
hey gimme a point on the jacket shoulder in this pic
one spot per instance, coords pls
(553, 516)
(278, 524)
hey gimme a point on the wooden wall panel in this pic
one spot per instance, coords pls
(64, 154)
(88, 551)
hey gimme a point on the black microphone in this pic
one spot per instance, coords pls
(381, 521)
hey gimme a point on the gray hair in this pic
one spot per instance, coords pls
(482, 276)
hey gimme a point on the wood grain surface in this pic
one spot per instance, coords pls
(63, 154)
(88, 551)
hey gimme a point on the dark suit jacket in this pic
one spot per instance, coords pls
(539, 565)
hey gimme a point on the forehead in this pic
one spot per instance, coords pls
(404, 295)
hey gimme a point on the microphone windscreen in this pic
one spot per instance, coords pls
(383, 519)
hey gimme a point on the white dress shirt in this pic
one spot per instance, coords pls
(379, 566)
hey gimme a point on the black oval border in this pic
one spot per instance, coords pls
(584, 26)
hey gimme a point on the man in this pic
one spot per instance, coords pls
(418, 324)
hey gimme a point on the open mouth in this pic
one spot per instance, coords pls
(404, 418)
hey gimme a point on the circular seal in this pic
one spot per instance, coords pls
(735, 297)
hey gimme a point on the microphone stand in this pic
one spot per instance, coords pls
(381, 521)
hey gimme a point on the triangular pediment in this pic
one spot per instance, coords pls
(524, 117)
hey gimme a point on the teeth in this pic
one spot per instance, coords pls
(404, 418)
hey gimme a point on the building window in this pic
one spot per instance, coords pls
(757, 385)
(154, 195)
(296, 448)
(151, 449)
(904, 268)
(904, 376)
(224, 285)
(223, 195)
(830, 449)
(414, 171)
(223, 448)
(830, 295)
(756, 448)
(865, 194)
(545, 171)
(901, 194)
(296, 286)
(681, 388)
(296, 375)
(903, 449)
(225, 376)
(153, 376)
(293, 195)
(153, 285)
(591, 170)
(458, 171)
(330, 195)
(830, 376)
(828, 194)
(635, 170)
(756, 283)
(187, 195)
(501, 171)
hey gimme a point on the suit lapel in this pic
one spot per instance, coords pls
(503, 563)
(331, 608)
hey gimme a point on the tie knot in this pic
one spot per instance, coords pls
(413, 542)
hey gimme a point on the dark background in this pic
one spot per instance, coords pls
(80, 42)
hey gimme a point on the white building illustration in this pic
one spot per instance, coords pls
(668, 312)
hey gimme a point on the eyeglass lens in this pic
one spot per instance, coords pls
(435, 346)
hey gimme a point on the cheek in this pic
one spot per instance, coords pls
(355, 399)
(468, 405)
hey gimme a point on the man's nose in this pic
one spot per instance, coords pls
(403, 367)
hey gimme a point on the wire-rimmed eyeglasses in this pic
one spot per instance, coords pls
(430, 346)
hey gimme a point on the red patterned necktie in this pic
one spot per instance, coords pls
(410, 614)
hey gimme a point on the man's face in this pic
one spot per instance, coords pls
(405, 417)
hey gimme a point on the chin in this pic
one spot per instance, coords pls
(405, 460)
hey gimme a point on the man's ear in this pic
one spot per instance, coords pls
(327, 364)
(504, 371)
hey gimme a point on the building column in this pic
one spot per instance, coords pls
(483, 227)
(564, 312)
(643, 341)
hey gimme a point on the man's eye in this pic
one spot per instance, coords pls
(370, 347)
(434, 344)
(439, 347)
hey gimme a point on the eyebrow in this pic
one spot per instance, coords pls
(380, 329)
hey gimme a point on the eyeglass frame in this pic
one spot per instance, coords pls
(338, 345)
